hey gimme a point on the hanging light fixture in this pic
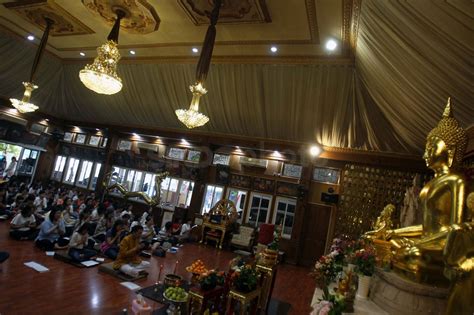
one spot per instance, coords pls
(24, 105)
(191, 117)
(101, 76)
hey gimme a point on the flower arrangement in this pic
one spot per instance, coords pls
(331, 304)
(245, 279)
(325, 270)
(209, 280)
(364, 259)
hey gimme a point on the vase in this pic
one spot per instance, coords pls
(364, 286)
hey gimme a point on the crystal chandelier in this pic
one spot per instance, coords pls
(24, 105)
(101, 76)
(191, 117)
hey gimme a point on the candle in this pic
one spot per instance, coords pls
(176, 267)
(159, 273)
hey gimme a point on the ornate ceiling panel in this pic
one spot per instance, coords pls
(140, 16)
(231, 12)
(35, 11)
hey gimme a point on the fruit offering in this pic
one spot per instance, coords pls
(197, 267)
(176, 294)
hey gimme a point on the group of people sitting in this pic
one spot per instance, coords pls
(61, 218)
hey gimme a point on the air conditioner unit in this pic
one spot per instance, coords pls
(148, 146)
(246, 161)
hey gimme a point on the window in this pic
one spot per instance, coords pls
(84, 174)
(259, 209)
(71, 171)
(119, 178)
(185, 193)
(27, 162)
(148, 186)
(284, 214)
(238, 198)
(95, 176)
(326, 175)
(137, 180)
(176, 192)
(59, 168)
(212, 195)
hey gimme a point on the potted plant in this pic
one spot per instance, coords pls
(364, 259)
(245, 279)
(209, 280)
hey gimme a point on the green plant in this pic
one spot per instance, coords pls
(245, 280)
(211, 279)
(364, 259)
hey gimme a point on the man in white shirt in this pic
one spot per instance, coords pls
(40, 203)
(10, 170)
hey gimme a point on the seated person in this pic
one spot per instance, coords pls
(110, 247)
(167, 233)
(166, 230)
(128, 261)
(84, 217)
(51, 231)
(105, 223)
(185, 231)
(77, 244)
(23, 224)
(148, 231)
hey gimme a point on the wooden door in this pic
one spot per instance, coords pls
(315, 230)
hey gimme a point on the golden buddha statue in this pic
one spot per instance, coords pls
(382, 228)
(418, 249)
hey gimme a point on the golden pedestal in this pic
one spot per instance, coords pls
(198, 299)
(267, 280)
(245, 300)
(384, 252)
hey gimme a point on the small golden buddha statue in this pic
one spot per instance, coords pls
(382, 228)
(419, 248)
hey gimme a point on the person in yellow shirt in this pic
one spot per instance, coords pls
(128, 261)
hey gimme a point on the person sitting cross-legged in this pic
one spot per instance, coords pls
(77, 250)
(23, 225)
(51, 232)
(128, 260)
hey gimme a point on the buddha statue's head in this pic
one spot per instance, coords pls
(446, 143)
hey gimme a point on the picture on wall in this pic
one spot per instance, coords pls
(326, 175)
(124, 145)
(287, 189)
(94, 141)
(68, 136)
(264, 185)
(80, 138)
(240, 181)
(194, 156)
(292, 170)
(221, 159)
(176, 153)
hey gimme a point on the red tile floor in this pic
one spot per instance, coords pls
(66, 289)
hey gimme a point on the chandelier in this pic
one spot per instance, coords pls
(191, 117)
(101, 76)
(24, 105)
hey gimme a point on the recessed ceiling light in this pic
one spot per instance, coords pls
(30, 37)
(331, 45)
(273, 49)
(97, 129)
(135, 134)
(132, 52)
(195, 50)
(82, 54)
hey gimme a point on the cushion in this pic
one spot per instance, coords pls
(63, 256)
(108, 269)
(265, 235)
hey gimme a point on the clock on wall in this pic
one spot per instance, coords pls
(326, 175)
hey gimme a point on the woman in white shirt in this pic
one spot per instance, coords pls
(77, 243)
(23, 225)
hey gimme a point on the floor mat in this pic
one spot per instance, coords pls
(108, 269)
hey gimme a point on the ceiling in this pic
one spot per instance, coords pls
(170, 29)
(382, 90)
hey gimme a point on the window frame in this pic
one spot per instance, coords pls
(73, 182)
(213, 201)
(249, 207)
(275, 210)
(79, 172)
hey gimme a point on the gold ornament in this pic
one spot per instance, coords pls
(151, 201)
(24, 105)
(191, 117)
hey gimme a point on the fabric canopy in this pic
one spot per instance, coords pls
(409, 59)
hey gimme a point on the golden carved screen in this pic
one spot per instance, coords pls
(365, 191)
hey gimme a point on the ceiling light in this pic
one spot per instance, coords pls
(315, 150)
(101, 76)
(135, 134)
(132, 52)
(24, 105)
(97, 129)
(191, 117)
(82, 54)
(331, 45)
(185, 142)
(273, 49)
(195, 50)
(30, 37)
(47, 120)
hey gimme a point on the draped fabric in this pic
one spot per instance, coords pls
(410, 57)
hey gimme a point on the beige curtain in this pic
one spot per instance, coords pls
(411, 55)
